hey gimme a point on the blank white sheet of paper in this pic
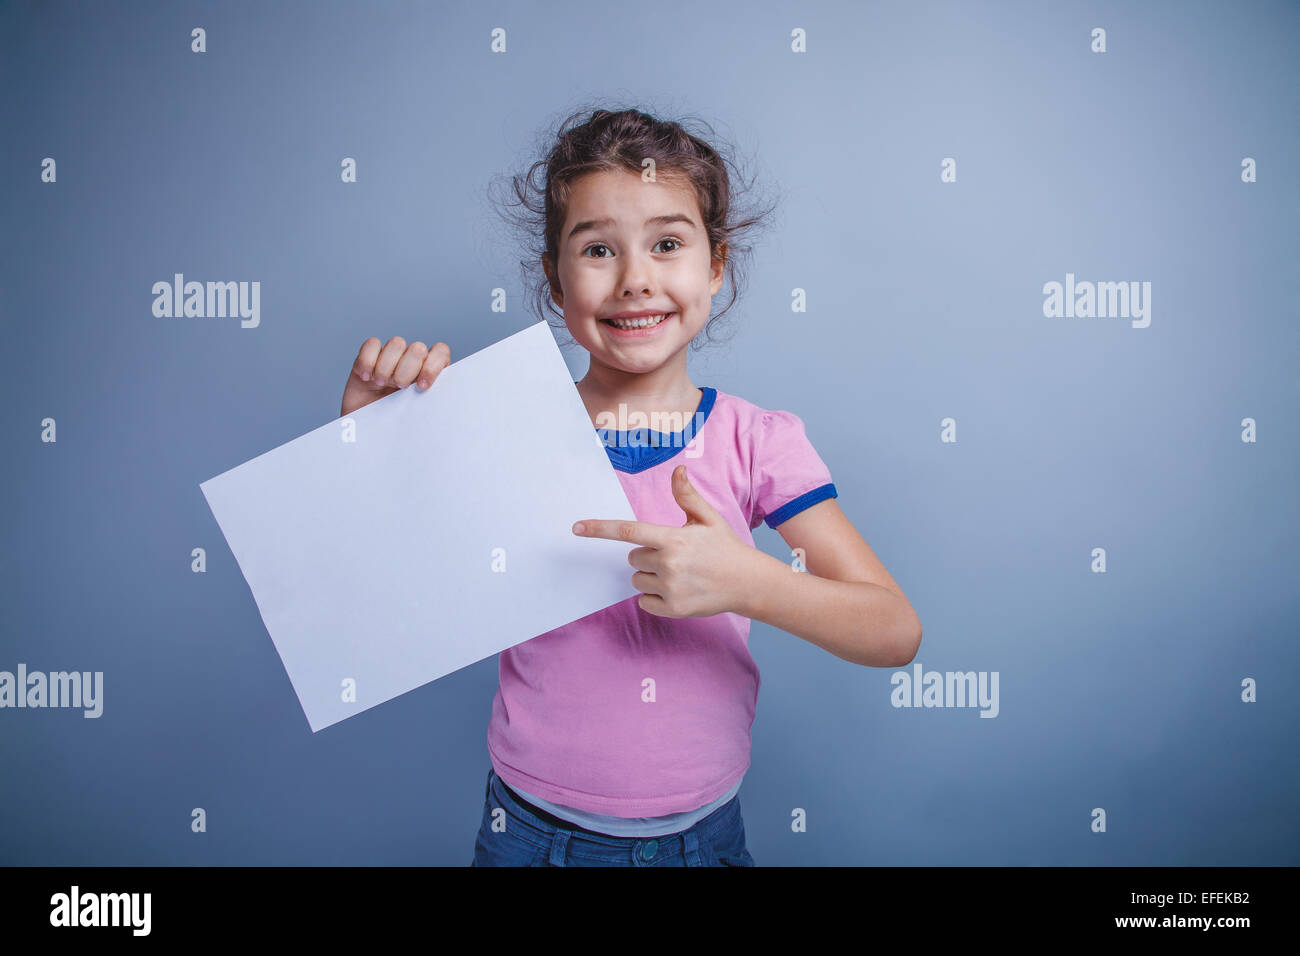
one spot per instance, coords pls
(428, 530)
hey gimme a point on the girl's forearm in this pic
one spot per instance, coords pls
(854, 620)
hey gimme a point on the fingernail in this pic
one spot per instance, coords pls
(578, 528)
(365, 376)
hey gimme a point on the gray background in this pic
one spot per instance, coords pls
(1118, 690)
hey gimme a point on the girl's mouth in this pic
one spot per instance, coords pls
(639, 332)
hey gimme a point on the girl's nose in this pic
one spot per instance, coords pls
(636, 277)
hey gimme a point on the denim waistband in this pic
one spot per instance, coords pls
(545, 824)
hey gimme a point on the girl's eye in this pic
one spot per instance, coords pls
(601, 245)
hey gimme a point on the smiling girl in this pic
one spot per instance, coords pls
(622, 738)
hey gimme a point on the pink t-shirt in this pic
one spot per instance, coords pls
(569, 721)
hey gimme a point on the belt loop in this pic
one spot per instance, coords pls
(558, 847)
(692, 851)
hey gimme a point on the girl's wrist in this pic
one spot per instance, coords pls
(754, 582)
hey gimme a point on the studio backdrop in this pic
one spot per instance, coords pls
(1029, 286)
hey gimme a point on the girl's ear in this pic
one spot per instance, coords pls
(557, 294)
(719, 269)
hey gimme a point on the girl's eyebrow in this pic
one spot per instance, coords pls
(588, 224)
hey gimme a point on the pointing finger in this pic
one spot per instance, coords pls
(637, 532)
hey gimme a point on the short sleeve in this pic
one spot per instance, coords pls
(786, 473)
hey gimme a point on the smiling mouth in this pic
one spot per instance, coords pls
(636, 325)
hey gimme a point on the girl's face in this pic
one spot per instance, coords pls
(633, 246)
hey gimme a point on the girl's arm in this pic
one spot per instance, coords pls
(847, 603)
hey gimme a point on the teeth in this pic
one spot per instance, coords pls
(642, 323)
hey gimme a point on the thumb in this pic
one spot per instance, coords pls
(698, 511)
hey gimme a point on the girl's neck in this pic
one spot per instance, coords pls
(664, 391)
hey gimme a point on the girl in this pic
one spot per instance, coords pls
(622, 738)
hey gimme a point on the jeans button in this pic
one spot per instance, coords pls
(648, 849)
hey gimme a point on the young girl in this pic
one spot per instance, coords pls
(622, 738)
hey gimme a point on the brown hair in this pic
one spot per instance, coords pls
(595, 139)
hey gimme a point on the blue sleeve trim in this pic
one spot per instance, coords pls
(806, 500)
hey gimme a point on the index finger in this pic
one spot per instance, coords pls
(364, 365)
(638, 532)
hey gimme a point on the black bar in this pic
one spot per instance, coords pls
(440, 904)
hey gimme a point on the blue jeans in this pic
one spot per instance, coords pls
(533, 837)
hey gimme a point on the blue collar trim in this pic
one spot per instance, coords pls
(636, 449)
